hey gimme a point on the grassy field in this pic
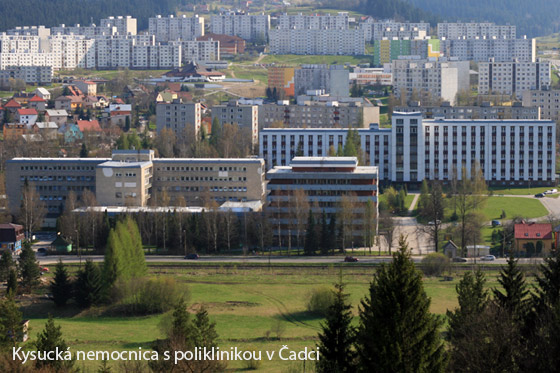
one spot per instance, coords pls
(245, 303)
(407, 200)
(519, 191)
(292, 59)
(110, 74)
(525, 207)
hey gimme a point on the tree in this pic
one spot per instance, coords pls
(84, 152)
(216, 131)
(300, 214)
(337, 336)
(6, 264)
(29, 267)
(514, 298)
(325, 236)
(12, 284)
(433, 205)
(61, 287)
(11, 327)
(311, 241)
(387, 229)
(369, 225)
(88, 287)
(50, 339)
(397, 332)
(32, 209)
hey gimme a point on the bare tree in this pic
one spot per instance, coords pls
(387, 229)
(346, 213)
(432, 210)
(32, 210)
(230, 220)
(300, 212)
(369, 224)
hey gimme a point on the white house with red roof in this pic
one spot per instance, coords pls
(37, 103)
(118, 113)
(27, 116)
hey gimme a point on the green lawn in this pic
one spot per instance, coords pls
(524, 207)
(245, 304)
(292, 59)
(519, 191)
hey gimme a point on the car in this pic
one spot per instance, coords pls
(192, 256)
(351, 259)
(539, 195)
(44, 269)
(42, 250)
(496, 223)
(460, 260)
(488, 258)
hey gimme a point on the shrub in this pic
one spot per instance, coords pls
(145, 296)
(279, 328)
(320, 300)
(435, 264)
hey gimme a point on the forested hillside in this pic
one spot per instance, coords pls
(533, 18)
(54, 12)
(383, 9)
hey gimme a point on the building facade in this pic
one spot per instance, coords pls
(174, 28)
(29, 74)
(244, 116)
(484, 111)
(512, 78)
(317, 42)
(183, 118)
(313, 22)
(249, 27)
(472, 30)
(330, 79)
(283, 79)
(482, 49)
(548, 100)
(389, 29)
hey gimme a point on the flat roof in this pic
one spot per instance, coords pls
(289, 170)
(61, 159)
(119, 164)
(208, 160)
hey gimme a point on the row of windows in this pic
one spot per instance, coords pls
(197, 178)
(63, 168)
(57, 178)
(205, 168)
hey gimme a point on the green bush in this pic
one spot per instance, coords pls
(320, 300)
(435, 264)
(145, 296)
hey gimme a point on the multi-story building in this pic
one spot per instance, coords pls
(512, 78)
(372, 75)
(430, 79)
(313, 22)
(29, 74)
(329, 183)
(386, 50)
(482, 49)
(321, 42)
(333, 80)
(41, 31)
(389, 29)
(283, 79)
(198, 50)
(183, 118)
(90, 32)
(229, 45)
(484, 111)
(547, 100)
(474, 30)
(133, 177)
(321, 114)
(125, 25)
(508, 152)
(244, 116)
(176, 28)
(249, 27)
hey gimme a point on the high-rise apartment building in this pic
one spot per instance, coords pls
(249, 27)
(183, 118)
(331, 79)
(175, 28)
(389, 29)
(313, 22)
(475, 30)
(323, 42)
(513, 77)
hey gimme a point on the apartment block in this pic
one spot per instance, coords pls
(29, 74)
(547, 100)
(328, 182)
(512, 78)
(313, 22)
(389, 29)
(183, 118)
(482, 49)
(134, 178)
(331, 79)
(198, 51)
(228, 45)
(244, 116)
(430, 79)
(484, 111)
(372, 76)
(176, 28)
(249, 27)
(386, 50)
(472, 30)
(320, 42)
(508, 152)
(283, 79)
(90, 32)
(41, 31)
(318, 114)
(125, 25)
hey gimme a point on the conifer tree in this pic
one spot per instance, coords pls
(310, 236)
(49, 340)
(61, 287)
(514, 299)
(325, 237)
(6, 264)
(89, 286)
(29, 267)
(397, 332)
(337, 336)
(11, 327)
(332, 234)
(12, 284)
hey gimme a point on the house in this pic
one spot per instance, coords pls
(166, 96)
(71, 133)
(22, 97)
(27, 116)
(63, 103)
(87, 87)
(193, 72)
(118, 114)
(58, 116)
(91, 102)
(450, 249)
(61, 246)
(76, 102)
(102, 101)
(11, 237)
(12, 106)
(43, 93)
(533, 238)
(47, 130)
(13, 131)
(38, 103)
(89, 126)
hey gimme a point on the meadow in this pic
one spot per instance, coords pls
(254, 308)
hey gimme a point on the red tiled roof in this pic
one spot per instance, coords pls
(89, 125)
(27, 112)
(37, 99)
(12, 104)
(533, 231)
(118, 101)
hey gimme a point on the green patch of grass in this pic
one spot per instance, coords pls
(292, 59)
(514, 206)
(519, 191)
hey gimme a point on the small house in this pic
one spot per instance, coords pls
(61, 246)
(533, 238)
(11, 237)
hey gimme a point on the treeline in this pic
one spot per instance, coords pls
(532, 18)
(513, 328)
(54, 12)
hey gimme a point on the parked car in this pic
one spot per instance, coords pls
(42, 250)
(539, 195)
(460, 260)
(44, 269)
(488, 258)
(496, 223)
(351, 259)
(192, 256)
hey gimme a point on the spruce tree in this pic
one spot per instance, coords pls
(29, 267)
(11, 328)
(6, 264)
(310, 236)
(89, 286)
(84, 152)
(12, 284)
(61, 287)
(325, 237)
(337, 337)
(49, 340)
(332, 234)
(514, 298)
(397, 332)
